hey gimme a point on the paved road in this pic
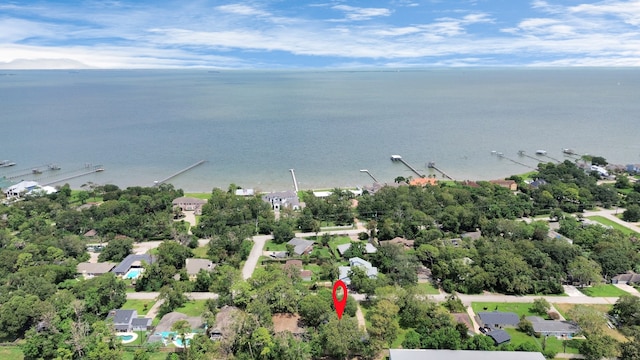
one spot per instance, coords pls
(610, 214)
(154, 295)
(254, 255)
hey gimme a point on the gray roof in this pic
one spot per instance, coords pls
(499, 336)
(188, 200)
(421, 354)
(499, 318)
(95, 268)
(300, 245)
(195, 265)
(368, 248)
(122, 316)
(125, 264)
(141, 322)
(541, 325)
(167, 321)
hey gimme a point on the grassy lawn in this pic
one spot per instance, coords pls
(200, 252)
(606, 290)
(604, 221)
(324, 251)
(427, 289)
(203, 196)
(518, 308)
(193, 308)
(338, 240)
(128, 355)
(397, 343)
(11, 352)
(271, 246)
(552, 342)
(138, 305)
(316, 269)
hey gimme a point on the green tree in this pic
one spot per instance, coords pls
(584, 271)
(411, 340)
(101, 294)
(116, 250)
(282, 232)
(632, 214)
(627, 310)
(173, 254)
(540, 306)
(598, 346)
(383, 321)
(182, 328)
(342, 339)
(314, 309)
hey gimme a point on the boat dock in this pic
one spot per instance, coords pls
(400, 159)
(156, 183)
(432, 165)
(295, 182)
(502, 156)
(522, 153)
(90, 170)
(34, 171)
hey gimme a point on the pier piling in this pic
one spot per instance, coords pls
(399, 158)
(432, 165)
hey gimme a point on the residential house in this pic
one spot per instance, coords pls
(553, 327)
(132, 261)
(633, 169)
(128, 321)
(473, 235)
(306, 275)
(508, 184)
(194, 266)
(283, 200)
(498, 319)
(296, 265)
(368, 248)
(27, 187)
(499, 336)
(189, 204)
(301, 246)
(470, 183)
(89, 270)
(537, 183)
(370, 270)
(431, 354)
(629, 278)
(223, 327)
(407, 244)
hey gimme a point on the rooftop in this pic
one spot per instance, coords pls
(95, 268)
(499, 318)
(126, 264)
(300, 245)
(194, 266)
(421, 354)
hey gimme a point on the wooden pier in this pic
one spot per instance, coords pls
(156, 183)
(34, 171)
(432, 165)
(400, 159)
(93, 169)
(502, 156)
(295, 182)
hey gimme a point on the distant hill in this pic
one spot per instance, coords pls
(34, 64)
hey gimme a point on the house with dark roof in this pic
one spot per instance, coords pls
(282, 199)
(407, 244)
(628, 278)
(132, 261)
(499, 336)
(301, 246)
(553, 327)
(498, 319)
(128, 320)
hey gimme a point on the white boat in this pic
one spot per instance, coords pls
(569, 151)
(541, 152)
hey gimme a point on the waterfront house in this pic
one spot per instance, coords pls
(423, 181)
(189, 204)
(508, 184)
(283, 200)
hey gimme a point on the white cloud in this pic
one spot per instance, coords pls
(359, 14)
(240, 9)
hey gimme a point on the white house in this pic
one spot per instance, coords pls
(370, 270)
(28, 187)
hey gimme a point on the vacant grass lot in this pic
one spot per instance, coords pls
(518, 308)
(272, 246)
(11, 352)
(193, 308)
(604, 221)
(551, 342)
(138, 305)
(605, 290)
(427, 289)
(203, 196)
(200, 252)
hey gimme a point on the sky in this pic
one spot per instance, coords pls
(300, 34)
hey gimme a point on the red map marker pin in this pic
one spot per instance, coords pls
(339, 304)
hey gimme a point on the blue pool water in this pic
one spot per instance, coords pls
(178, 341)
(125, 337)
(132, 274)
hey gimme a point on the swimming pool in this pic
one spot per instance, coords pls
(126, 337)
(132, 273)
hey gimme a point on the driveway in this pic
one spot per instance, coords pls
(628, 288)
(144, 247)
(254, 255)
(610, 214)
(572, 291)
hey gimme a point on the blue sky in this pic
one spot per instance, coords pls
(318, 34)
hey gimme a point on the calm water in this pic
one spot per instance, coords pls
(252, 127)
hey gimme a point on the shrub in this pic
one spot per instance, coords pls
(553, 315)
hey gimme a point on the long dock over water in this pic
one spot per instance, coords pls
(400, 159)
(92, 169)
(156, 183)
(502, 156)
(432, 165)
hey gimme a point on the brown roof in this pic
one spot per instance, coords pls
(293, 263)
(306, 273)
(423, 181)
(399, 240)
(91, 233)
(224, 321)
(95, 268)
